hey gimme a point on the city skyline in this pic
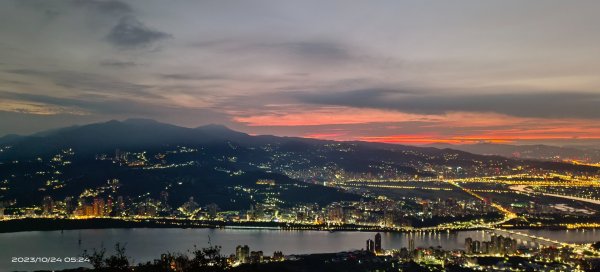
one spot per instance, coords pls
(398, 72)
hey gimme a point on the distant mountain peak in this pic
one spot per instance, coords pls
(215, 127)
(139, 121)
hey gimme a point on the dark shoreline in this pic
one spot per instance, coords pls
(54, 224)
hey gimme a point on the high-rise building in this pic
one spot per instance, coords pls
(190, 207)
(88, 210)
(98, 206)
(335, 213)
(256, 256)
(47, 205)
(69, 205)
(485, 247)
(109, 206)
(513, 249)
(370, 246)
(212, 210)
(500, 244)
(510, 245)
(378, 248)
(242, 253)
(496, 245)
(300, 216)
(469, 245)
(389, 218)
(278, 256)
(164, 198)
(120, 205)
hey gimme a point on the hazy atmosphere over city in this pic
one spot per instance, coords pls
(411, 72)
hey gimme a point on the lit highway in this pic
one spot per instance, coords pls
(525, 189)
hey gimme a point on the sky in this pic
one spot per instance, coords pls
(408, 72)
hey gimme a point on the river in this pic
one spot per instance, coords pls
(145, 244)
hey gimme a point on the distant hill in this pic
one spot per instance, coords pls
(208, 161)
(539, 152)
(10, 138)
(128, 134)
(146, 134)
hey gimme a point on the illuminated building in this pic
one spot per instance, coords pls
(190, 207)
(120, 207)
(278, 256)
(269, 182)
(469, 245)
(370, 246)
(242, 253)
(98, 207)
(256, 256)
(212, 210)
(378, 248)
(109, 206)
(47, 205)
(69, 205)
(335, 213)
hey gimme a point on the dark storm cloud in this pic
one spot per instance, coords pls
(131, 33)
(50, 10)
(95, 110)
(118, 64)
(308, 50)
(110, 7)
(191, 77)
(53, 9)
(90, 103)
(88, 82)
(128, 33)
(327, 50)
(40, 5)
(95, 106)
(536, 104)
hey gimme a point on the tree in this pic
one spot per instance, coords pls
(117, 262)
(96, 259)
(208, 259)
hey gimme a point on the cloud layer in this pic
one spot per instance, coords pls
(131, 33)
(526, 104)
(398, 71)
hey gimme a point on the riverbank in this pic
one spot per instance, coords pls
(54, 224)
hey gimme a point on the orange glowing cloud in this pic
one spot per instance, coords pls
(496, 136)
(331, 116)
(330, 136)
(427, 139)
(453, 128)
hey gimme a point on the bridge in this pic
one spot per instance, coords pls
(544, 241)
(528, 237)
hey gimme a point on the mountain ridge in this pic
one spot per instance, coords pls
(148, 156)
(532, 151)
(137, 133)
